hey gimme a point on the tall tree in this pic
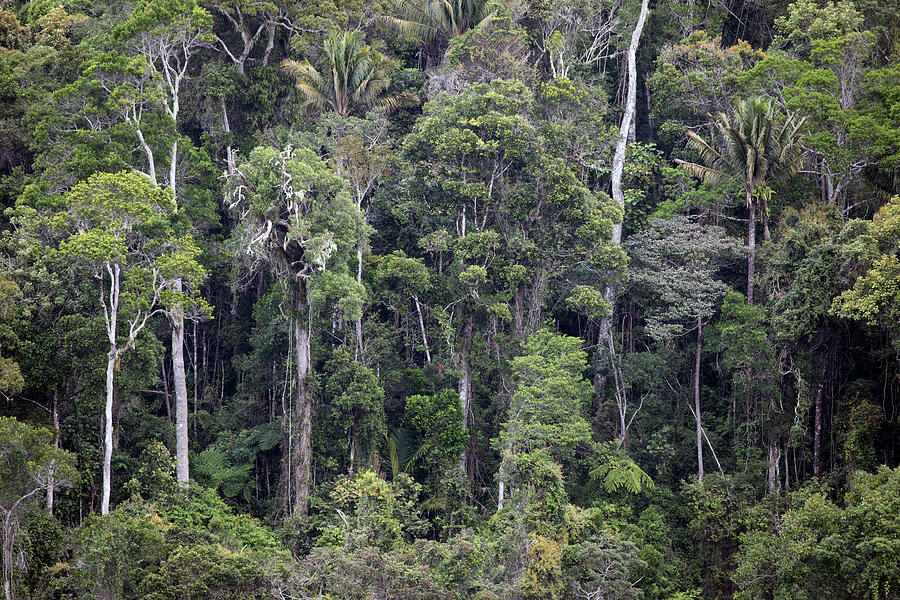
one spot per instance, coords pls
(118, 226)
(677, 261)
(755, 146)
(605, 333)
(297, 221)
(547, 408)
(167, 34)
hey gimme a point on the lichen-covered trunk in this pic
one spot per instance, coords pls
(51, 485)
(465, 383)
(7, 549)
(107, 430)
(181, 399)
(302, 449)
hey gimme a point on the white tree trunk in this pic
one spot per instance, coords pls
(107, 430)
(181, 399)
(627, 119)
(618, 195)
(422, 328)
(303, 411)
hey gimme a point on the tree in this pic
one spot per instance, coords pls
(29, 464)
(626, 132)
(403, 278)
(117, 226)
(677, 261)
(357, 403)
(755, 146)
(249, 20)
(360, 151)
(166, 34)
(296, 221)
(10, 373)
(350, 75)
(504, 203)
(875, 295)
(428, 20)
(551, 394)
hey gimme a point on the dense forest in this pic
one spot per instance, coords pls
(450, 299)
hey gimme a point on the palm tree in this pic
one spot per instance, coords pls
(428, 20)
(350, 74)
(755, 146)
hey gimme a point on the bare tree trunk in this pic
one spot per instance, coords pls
(773, 478)
(751, 244)
(107, 429)
(54, 410)
(465, 383)
(303, 412)
(7, 556)
(229, 153)
(181, 399)
(359, 323)
(422, 328)
(817, 427)
(697, 419)
(630, 101)
(618, 195)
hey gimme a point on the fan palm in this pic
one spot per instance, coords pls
(429, 19)
(350, 74)
(756, 146)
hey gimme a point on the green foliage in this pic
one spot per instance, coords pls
(438, 418)
(824, 549)
(29, 464)
(875, 295)
(547, 407)
(351, 74)
(364, 508)
(619, 472)
(677, 261)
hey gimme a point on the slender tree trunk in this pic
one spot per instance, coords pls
(422, 328)
(359, 323)
(181, 399)
(751, 244)
(618, 195)
(618, 165)
(7, 557)
(465, 383)
(107, 430)
(697, 419)
(303, 412)
(538, 290)
(51, 486)
(772, 471)
(229, 153)
(817, 426)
